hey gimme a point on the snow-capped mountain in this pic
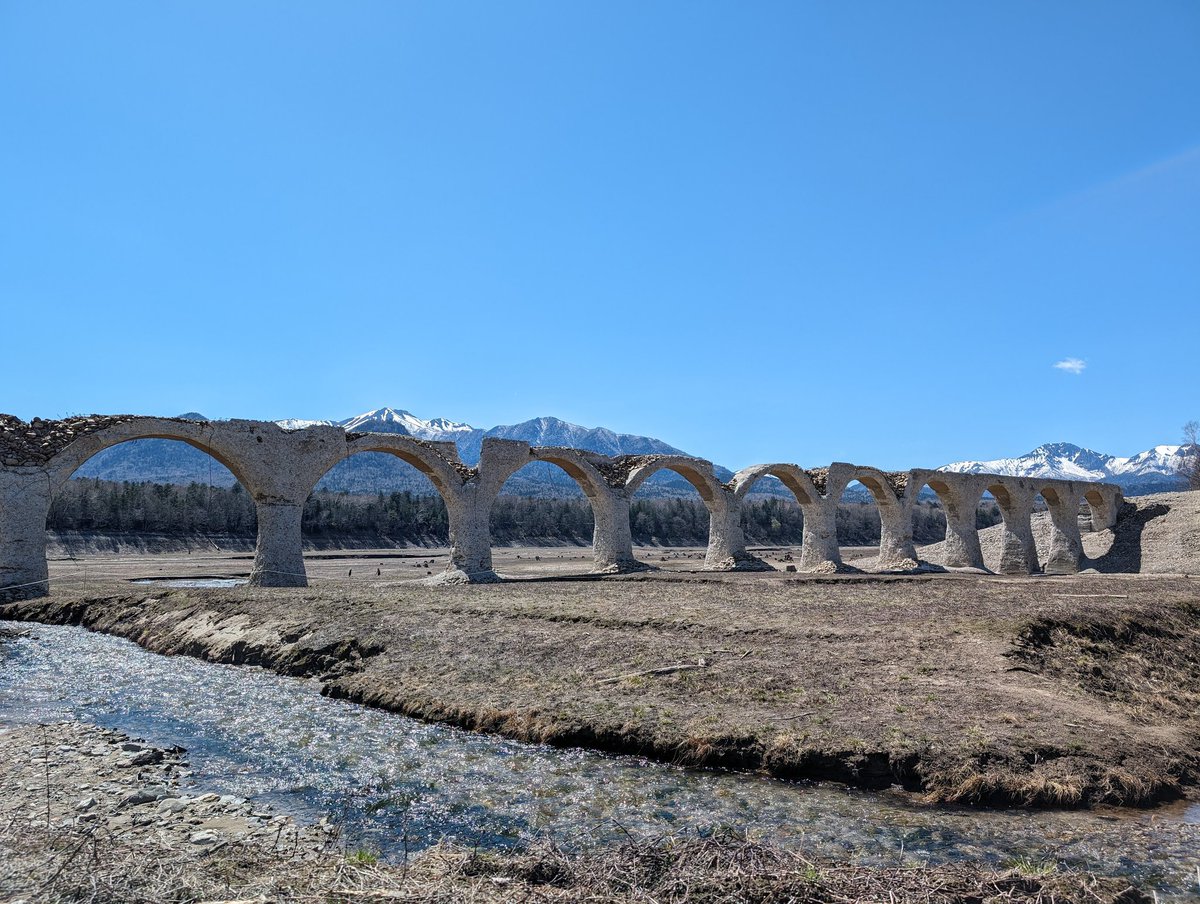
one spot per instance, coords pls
(171, 462)
(392, 420)
(1154, 470)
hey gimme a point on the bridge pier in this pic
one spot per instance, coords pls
(726, 539)
(470, 538)
(1019, 552)
(279, 553)
(819, 552)
(962, 549)
(612, 537)
(24, 508)
(896, 549)
(1066, 543)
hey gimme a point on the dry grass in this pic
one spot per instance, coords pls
(94, 867)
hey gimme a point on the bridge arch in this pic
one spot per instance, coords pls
(888, 491)
(79, 440)
(611, 540)
(197, 434)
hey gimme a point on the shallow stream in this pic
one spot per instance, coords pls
(398, 784)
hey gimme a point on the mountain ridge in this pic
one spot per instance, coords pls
(1154, 470)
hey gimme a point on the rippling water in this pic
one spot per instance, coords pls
(398, 783)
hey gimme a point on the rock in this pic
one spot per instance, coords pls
(86, 804)
(204, 836)
(142, 796)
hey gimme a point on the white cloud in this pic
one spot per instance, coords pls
(1071, 365)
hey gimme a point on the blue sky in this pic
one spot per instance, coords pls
(760, 231)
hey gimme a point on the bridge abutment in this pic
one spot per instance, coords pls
(24, 507)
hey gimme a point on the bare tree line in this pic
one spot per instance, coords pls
(416, 519)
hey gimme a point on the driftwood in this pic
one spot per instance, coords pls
(665, 670)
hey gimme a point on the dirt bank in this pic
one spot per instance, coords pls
(1037, 692)
(91, 815)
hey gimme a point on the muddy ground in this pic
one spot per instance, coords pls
(977, 689)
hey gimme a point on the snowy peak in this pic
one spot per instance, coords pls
(299, 423)
(1154, 470)
(392, 420)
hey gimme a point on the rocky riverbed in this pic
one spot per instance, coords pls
(89, 814)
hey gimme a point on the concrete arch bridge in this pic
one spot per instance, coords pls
(280, 468)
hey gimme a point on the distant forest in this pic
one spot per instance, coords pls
(406, 518)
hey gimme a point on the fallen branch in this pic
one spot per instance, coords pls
(665, 670)
(807, 712)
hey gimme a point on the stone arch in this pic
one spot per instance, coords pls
(445, 475)
(197, 434)
(87, 439)
(576, 464)
(794, 477)
(819, 549)
(726, 547)
(696, 471)
(422, 456)
(432, 460)
(611, 541)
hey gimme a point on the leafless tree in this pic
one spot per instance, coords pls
(1189, 468)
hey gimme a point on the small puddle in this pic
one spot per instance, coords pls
(397, 783)
(192, 582)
